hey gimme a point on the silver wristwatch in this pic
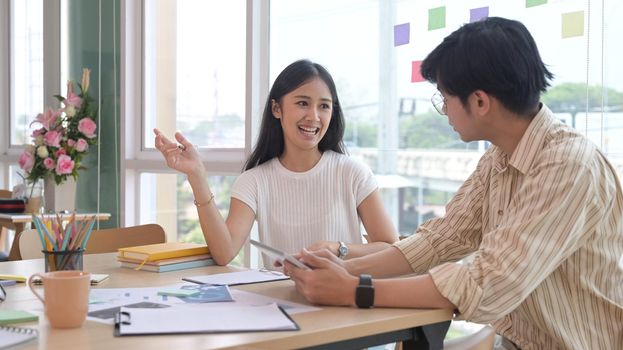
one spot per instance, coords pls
(342, 251)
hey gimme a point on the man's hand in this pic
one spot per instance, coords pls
(327, 283)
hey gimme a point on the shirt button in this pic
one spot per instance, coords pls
(500, 212)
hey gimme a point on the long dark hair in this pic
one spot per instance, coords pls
(270, 142)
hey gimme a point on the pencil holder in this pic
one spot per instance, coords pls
(63, 260)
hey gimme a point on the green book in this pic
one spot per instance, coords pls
(16, 316)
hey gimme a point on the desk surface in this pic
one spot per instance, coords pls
(331, 324)
(20, 218)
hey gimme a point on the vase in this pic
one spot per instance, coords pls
(59, 197)
(32, 192)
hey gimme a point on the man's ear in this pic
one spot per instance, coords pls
(276, 109)
(482, 102)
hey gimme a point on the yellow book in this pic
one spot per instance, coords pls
(159, 251)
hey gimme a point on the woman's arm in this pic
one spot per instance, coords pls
(381, 231)
(225, 238)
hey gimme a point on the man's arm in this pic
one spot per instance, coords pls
(329, 283)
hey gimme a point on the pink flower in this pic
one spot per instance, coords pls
(48, 118)
(52, 138)
(65, 165)
(87, 127)
(82, 145)
(72, 99)
(38, 132)
(60, 152)
(86, 74)
(49, 163)
(26, 161)
(71, 142)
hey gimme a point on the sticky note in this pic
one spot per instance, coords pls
(531, 3)
(179, 292)
(478, 13)
(437, 18)
(401, 34)
(416, 76)
(572, 24)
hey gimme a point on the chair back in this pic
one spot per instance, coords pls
(481, 340)
(5, 194)
(101, 241)
(29, 244)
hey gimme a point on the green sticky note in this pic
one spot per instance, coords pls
(16, 316)
(531, 3)
(437, 18)
(572, 24)
(179, 292)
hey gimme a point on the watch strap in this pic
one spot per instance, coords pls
(364, 294)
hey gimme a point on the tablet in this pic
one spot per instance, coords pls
(278, 254)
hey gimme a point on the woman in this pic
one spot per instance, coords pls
(297, 184)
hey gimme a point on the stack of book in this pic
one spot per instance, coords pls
(163, 257)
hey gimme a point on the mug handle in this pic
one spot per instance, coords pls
(31, 281)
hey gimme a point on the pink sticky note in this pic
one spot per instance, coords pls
(416, 76)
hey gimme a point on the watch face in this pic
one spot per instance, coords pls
(343, 250)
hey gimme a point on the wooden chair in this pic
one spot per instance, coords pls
(101, 241)
(3, 230)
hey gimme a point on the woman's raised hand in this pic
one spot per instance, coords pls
(181, 155)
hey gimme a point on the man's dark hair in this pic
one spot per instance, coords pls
(496, 55)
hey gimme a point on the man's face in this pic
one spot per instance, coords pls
(461, 118)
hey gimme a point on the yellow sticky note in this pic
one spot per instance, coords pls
(572, 24)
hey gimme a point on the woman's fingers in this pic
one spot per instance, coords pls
(183, 141)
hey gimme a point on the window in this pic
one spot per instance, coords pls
(390, 123)
(26, 67)
(195, 71)
(193, 79)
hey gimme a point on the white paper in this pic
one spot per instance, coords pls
(106, 298)
(240, 277)
(214, 318)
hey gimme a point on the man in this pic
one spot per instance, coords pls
(542, 212)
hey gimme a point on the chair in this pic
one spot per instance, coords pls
(481, 340)
(101, 241)
(3, 230)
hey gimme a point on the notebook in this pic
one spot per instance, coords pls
(160, 251)
(212, 319)
(167, 267)
(16, 316)
(11, 336)
(96, 278)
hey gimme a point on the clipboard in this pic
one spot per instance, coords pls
(222, 319)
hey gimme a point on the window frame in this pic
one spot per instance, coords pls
(136, 159)
(9, 154)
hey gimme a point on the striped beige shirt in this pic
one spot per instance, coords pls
(546, 226)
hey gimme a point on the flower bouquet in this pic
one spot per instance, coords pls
(63, 138)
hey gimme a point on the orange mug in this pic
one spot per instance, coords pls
(66, 301)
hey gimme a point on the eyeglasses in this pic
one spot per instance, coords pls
(2, 294)
(439, 102)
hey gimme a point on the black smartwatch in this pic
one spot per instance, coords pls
(364, 294)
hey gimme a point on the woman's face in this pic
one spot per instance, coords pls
(305, 114)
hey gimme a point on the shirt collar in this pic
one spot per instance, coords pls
(529, 145)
